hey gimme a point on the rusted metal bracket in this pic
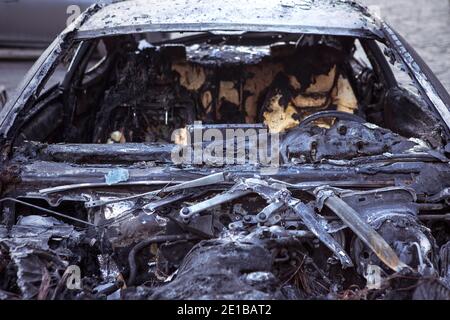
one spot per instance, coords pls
(327, 196)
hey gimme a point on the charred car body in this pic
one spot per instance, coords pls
(355, 207)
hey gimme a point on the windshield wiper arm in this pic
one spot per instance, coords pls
(200, 182)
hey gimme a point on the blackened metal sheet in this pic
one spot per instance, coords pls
(110, 153)
(338, 17)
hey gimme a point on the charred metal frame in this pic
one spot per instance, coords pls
(59, 173)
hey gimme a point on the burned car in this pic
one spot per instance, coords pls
(261, 150)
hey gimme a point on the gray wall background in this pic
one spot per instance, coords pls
(425, 24)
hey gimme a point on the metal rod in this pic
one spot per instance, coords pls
(203, 181)
(104, 184)
(365, 232)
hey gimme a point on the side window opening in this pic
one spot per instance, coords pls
(403, 77)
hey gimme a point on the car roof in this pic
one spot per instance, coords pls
(336, 17)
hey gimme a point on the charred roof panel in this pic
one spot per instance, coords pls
(339, 17)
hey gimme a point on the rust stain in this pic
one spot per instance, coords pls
(192, 76)
(385, 253)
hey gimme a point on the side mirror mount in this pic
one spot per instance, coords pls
(3, 97)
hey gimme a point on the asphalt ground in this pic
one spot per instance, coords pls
(425, 24)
